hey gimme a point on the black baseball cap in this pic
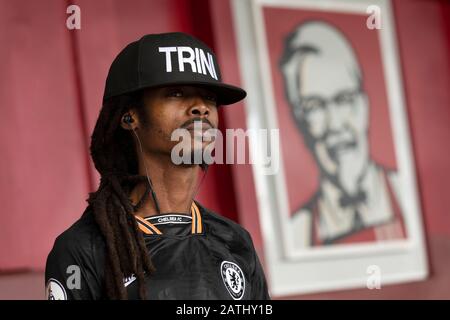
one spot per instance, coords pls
(157, 60)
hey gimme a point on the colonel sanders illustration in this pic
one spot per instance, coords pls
(357, 199)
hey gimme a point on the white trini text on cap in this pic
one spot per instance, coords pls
(195, 58)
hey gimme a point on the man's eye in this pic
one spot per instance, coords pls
(176, 93)
(211, 98)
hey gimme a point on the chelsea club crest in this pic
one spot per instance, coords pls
(233, 279)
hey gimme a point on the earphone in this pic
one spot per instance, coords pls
(128, 118)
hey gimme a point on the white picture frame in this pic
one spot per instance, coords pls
(291, 271)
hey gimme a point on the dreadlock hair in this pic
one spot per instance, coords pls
(114, 155)
(115, 158)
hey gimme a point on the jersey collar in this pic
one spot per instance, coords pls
(148, 227)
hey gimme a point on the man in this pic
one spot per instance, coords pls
(142, 235)
(357, 199)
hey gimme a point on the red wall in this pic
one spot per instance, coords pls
(43, 169)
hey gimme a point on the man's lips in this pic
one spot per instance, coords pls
(198, 125)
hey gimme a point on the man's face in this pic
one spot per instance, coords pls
(172, 108)
(334, 113)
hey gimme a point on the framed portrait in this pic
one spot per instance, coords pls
(342, 211)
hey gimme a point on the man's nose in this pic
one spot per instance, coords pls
(199, 107)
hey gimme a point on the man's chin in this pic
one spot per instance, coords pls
(197, 155)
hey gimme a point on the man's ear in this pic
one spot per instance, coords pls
(133, 122)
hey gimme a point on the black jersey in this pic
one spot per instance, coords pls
(201, 256)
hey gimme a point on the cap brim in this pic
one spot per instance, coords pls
(226, 93)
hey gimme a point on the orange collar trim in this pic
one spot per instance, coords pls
(149, 228)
